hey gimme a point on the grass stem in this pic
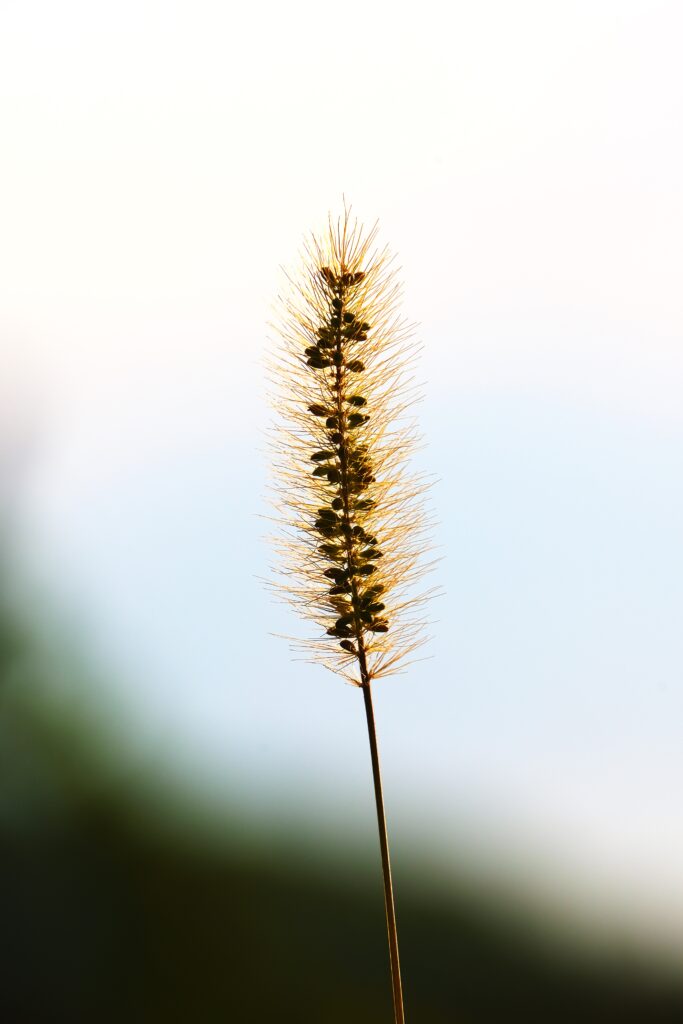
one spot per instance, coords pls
(392, 933)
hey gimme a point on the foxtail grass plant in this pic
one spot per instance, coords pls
(353, 532)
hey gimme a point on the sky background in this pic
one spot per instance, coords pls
(160, 162)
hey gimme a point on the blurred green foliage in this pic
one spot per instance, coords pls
(108, 917)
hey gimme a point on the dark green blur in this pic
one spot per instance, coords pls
(110, 915)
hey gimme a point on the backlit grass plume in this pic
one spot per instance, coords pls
(353, 532)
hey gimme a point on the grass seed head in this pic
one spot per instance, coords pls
(352, 530)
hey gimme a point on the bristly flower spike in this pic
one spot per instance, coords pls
(353, 530)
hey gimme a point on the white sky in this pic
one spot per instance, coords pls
(159, 161)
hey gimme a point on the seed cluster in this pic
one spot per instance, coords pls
(351, 526)
(346, 466)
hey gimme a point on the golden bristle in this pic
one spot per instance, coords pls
(353, 533)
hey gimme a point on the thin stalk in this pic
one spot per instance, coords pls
(399, 1016)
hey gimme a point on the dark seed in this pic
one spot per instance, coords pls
(337, 503)
(356, 400)
(321, 456)
(376, 606)
(333, 475)
(356, 418)
(339, 631)
(332, 421)
(318, 410)
(353, 278)
(335, 574)
(366, 570)
(340, 588)
(378, 627)
(348, 646)
(356, 366)
(327, 528)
